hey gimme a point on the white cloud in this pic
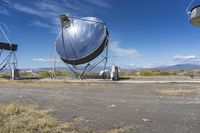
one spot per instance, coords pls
(46, 59)
(156, 65)
(4, 11)
(40, 24)
(99, 3)
(48, 11)
(132, 64)
(47, 6)
(123, 52)
(27, 9)
(188, 58)
(6, 1)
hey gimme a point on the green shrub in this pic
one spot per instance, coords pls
(65, 73)
(44, 74)
(174, 72)
(146, 73)
(157, 73)
(26, 74)
(191, 72)
(4, 74)
(93, 74)
(58, 73)
(127, 73)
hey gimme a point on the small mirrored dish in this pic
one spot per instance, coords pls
(195, 16)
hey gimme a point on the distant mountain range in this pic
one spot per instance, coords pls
(99, 68)
(179, 67)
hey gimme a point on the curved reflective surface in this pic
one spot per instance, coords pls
(82, 39)
(195, 16)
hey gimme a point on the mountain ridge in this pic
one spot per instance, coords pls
(185, 66)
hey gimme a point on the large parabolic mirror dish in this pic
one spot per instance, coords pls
(195, 16)
(82, 40)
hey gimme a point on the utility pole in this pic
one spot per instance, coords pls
(54, 62)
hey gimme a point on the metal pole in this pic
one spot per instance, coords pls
(105, 63)
(54, 63)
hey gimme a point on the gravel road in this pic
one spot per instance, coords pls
(150, 108)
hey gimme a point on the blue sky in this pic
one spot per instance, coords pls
(143, 33)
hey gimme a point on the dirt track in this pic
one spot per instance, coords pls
(150, 108)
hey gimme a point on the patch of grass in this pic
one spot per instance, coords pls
(15, 118)
(127, 73)
(47, 84)
(176, 92)
(32, 83)
(158, 73)
(5, 75)
(44, 74)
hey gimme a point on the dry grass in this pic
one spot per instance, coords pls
(38, 83)
(15, 118)
(176, 92)
(34, 83)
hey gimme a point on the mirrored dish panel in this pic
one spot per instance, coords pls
(195, 16)
(82, 41)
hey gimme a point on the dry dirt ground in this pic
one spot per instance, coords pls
(149, 108)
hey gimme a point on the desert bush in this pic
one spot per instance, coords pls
(127, 73)
(157, 73)
(93, 74)
(167, 73)
(191, 72)
(58, 73)
(61, 73)
(44, 74)
(146, 73)
(4, 74)
(65, 73)
(26, 74)
(174, 72)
